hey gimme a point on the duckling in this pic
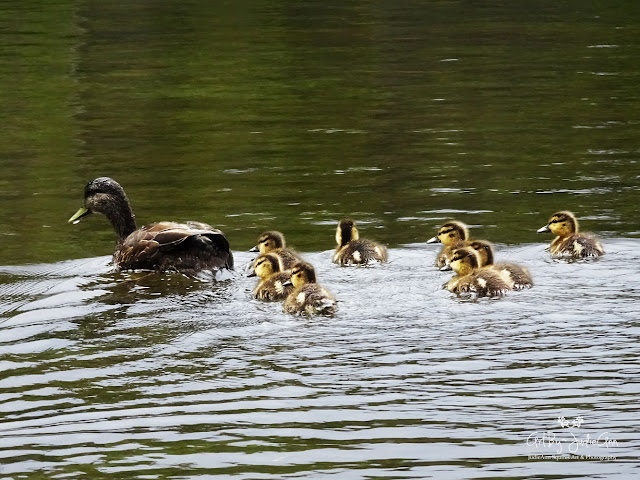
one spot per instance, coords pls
(186, 247)
(308, 297)
(353, 250)
(484, 282)
(452, 235)
(273, 241)
(274, 284)
(568, 240)
(518, 276)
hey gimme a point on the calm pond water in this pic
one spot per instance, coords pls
(291, 115)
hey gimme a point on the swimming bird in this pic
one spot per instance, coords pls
(353, 250)
(569, 241)
(274, 284)
(452, 235)
(274, 242)
(472, 279)
(164, 246)
(517, 275)
(308, 297)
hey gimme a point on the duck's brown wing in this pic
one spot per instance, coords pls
(520, 275)
(578, 245)
(175, 246)
(587, 245)
(360, 252)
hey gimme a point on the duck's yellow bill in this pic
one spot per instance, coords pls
(82, 212)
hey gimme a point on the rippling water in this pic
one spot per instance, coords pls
(139, 375)
(291, 115)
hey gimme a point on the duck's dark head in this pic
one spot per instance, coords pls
(450, 233)
(561, 224)
(267, 264)
(302, 273)
(269, 241)
(346, 232)
(104, 195)
(464, 261)
(485, 251)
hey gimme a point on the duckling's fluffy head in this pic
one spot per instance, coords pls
(270, 241)
(465, 260)
(267, 264)
(346, 232)
(451, 233)
(302, 273)
(561, 224)
(484, 250)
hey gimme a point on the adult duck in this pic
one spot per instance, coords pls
(163, 246)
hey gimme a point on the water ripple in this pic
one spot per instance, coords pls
(163, 370)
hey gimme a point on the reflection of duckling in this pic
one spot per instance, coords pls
(568, 241)
(355, 250)
(273, 241)
(518, 276)
(187, 247)
(484, 282)
(274, 283)
(308, 297)
(452, 235)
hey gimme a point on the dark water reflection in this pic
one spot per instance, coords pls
(292, 115)
(295, 115)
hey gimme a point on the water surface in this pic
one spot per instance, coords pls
(162, 376)
(291, 115)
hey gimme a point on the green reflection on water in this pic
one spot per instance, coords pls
(254, 116)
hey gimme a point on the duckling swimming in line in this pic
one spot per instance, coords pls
(452, 235)
(518, 276)
(308, 297)
(186, 247)
(274, 284)
(483, 282)
(273, 242)
(353, 250)
(568, 240)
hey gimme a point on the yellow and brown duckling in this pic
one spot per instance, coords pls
(308, 297)
(353, 250)
(452, 235)
(164, 246)
(518, 276)
(569, 241)
(274, 284)
(274, 242)
(472, 279)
